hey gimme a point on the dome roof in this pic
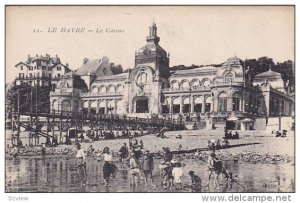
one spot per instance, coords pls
(151, 48)
(231, 65)
(269, 73)
(233, 60)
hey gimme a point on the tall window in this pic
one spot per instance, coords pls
(236, 102)
(58, 68)
(208, 104)
(229, 78)
(223, 102)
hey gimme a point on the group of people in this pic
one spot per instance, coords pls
(96, 135)
(141, 165)
(281, 134)
(229, 135)
(213, 144)
(109, 168)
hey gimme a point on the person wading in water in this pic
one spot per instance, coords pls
(109, 168)
(81, 164)
(214, 165)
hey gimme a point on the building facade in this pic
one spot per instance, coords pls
(220, 94)
(41, 70)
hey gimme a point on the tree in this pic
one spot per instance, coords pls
(116, 69)
(29, 99)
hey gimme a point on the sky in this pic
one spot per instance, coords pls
(199, 35)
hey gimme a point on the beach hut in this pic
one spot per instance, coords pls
(232, 123)
(247, 124)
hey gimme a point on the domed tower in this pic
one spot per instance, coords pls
(149, 76)
(153, 55)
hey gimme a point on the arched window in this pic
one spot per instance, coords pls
(63, 87)
(142, 78)
(206, 82)
(185, 84)
(176, 106)
(229, 78)
(111, 89)
(95, 89)
(66, 106)
(175, 84)
(120, 88)
(208, 104)
(54, 105)
(103, 89)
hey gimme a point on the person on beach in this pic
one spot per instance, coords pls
(214, 165)
(109, 169)
(147, 165)
(166, 175)
(236, 135)
(123, 153)
(136, 148)
(168, 156)
(43, 149)
(196, 182)
(177, 174)
(81, 164)
(135, 171)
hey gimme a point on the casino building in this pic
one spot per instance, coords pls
(218, 96)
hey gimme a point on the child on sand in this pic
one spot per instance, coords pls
(177, 174)
(196, 182)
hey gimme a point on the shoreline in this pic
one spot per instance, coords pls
(269, 149)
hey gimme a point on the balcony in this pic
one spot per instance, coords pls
(218, 84)
(93, 94)
(62, 94)
(33, 78)
(193, 89)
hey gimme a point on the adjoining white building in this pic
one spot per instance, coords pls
(41, 70)
(222, 95)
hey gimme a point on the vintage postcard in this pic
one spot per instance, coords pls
(150, 99)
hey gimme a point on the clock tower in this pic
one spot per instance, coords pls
(148, 78)
(152, 54)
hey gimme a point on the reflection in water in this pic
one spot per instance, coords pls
(61, 175)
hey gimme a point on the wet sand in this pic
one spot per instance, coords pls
(60, 175)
